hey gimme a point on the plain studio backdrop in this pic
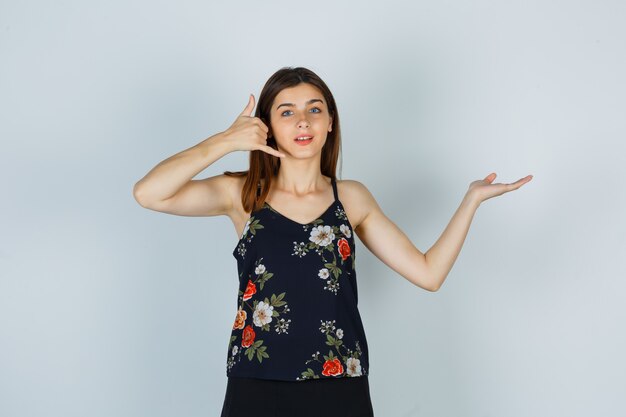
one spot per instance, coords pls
(110, 309)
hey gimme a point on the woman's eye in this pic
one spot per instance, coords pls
(314, 108)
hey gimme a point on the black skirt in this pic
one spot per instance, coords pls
(328, 397)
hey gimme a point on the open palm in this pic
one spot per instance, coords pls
(484, 189)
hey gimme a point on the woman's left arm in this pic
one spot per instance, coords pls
(385, 240)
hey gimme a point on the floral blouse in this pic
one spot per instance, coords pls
(297, 316)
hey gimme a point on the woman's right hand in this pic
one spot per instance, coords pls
(249, 133)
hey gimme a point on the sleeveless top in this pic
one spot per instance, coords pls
(297, 316)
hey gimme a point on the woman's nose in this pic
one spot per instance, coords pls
(303, 122)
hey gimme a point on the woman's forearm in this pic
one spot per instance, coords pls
(442, 255)
(166, 178)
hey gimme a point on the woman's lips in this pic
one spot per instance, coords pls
(303, 142)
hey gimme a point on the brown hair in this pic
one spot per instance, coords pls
(264, 165)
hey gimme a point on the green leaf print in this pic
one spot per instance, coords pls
(309, 373)
(263, 278)
(334, 269)
(276, 301)
(258, 349)
(260, 354)
(254, 226)
(250, 352)
(331, 341)
(330, 356)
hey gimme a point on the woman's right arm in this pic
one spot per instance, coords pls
(169, 187)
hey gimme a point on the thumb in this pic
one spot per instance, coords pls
(248, 110)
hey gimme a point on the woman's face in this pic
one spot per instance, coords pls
(297, 111)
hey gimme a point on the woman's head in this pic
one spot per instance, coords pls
(295, 86)
(292, 118)
(298, 111)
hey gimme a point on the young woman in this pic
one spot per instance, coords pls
(298, 345)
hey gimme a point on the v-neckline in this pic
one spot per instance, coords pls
(298, 223)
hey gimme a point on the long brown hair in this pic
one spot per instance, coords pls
(265, 166)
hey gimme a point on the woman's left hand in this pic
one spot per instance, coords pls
(482, 190)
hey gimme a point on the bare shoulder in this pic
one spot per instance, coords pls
(357, 200)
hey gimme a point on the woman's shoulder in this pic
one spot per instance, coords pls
(352, 187)
(356, 198)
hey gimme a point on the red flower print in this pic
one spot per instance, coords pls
(250, 289)
(332, 368)
(248, 336)
(240, 320)
(344, 248)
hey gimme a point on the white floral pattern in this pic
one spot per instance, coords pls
(322, 235)
(262, 314)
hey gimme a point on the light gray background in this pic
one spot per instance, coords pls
(109, 309)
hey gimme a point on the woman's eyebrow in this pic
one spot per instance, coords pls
(313, 100)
